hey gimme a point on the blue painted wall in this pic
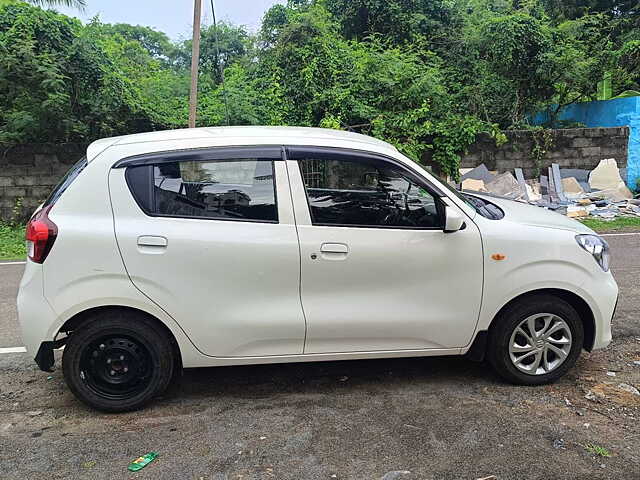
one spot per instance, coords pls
(609, 113)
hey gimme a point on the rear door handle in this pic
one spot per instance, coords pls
(152, 244)
(334, 251)
(334, 248)
(152, 241)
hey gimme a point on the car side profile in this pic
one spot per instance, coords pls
(250, 245)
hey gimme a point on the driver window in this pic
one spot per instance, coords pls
(366, 193)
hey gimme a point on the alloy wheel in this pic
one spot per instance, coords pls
(540, 344)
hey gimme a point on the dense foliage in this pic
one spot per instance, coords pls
(426, 75)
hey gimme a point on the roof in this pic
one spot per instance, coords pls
(249, 135)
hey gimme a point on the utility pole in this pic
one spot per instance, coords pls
(195, 60)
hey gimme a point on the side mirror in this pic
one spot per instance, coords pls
(454, 220)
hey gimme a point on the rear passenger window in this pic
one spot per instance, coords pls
(238, 189)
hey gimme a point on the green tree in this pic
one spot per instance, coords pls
(398, 20)
(397, 94)
(56, 82)
(425, 75)
(233, 44)
(78, 4)
(156, 43)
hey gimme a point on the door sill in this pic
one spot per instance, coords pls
(210, 361)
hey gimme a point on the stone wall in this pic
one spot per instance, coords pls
(570, 148)
(29, 172)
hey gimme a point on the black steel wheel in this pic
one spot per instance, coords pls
(116, 367)
(118, 361)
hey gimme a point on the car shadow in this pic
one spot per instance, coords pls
(261, 381)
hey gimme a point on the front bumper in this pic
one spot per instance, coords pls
(604, 301)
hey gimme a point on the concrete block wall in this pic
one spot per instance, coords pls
(570, 148)
(617, 112)
(29, 172)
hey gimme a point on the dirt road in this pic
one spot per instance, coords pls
(405, 419)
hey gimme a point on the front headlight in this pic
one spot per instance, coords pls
(597, 247)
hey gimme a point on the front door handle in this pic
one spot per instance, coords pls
(334, 251)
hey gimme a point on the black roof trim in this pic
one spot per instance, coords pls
(273, 152)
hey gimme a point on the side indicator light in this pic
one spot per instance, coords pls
(498, 256)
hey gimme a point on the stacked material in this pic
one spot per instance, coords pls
(576, 193)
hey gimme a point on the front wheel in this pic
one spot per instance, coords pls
(536, 340)
(118, 361)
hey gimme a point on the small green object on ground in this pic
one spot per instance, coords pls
(141, 462)
(597, 450)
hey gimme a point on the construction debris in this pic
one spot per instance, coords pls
(521, 182)
(582, 176)
(506, 185)
(481, 172)
(575, 192)
(533, 191)
(605, 176)
(571, 187)
(575, 211)
(473, 185)
(557, 181)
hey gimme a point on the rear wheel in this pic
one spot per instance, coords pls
(118, 361)
(536, 340)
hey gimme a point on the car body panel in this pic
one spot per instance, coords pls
(536, 258)
(388, 292)
(85, 268)
(219, 278)
(522, 213)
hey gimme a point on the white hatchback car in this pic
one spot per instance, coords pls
(248, 245)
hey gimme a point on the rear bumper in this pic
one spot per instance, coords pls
(35, 316)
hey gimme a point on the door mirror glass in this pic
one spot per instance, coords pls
(454, 220)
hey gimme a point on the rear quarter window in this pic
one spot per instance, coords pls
(67, 180)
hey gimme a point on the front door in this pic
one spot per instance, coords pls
(209, 236)
(378, 271)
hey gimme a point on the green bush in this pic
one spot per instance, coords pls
(12, 244)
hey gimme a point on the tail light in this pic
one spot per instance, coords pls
(41, 232)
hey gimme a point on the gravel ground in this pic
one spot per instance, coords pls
(428, 418)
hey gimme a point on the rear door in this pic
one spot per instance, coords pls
(378, 271)
(209, 236)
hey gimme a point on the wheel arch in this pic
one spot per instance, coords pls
(86, 316)
(576, 301)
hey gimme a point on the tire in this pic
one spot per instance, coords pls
(118, 361)
(508, 345)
